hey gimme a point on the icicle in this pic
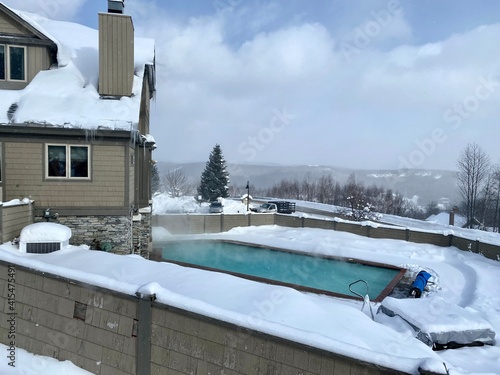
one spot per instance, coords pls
(90, 135)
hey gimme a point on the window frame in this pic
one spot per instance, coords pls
(4, 62)
(68, 147)
(7, 63)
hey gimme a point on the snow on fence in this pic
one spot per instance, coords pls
(14, 216)
(199, 223)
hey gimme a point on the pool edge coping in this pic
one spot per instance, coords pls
(384, 293)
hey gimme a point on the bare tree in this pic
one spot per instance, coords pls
(175, 182)
(326, 189)
(473, 169)
(308, 188)
(495, 176)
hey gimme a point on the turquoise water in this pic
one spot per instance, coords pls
(312, 272)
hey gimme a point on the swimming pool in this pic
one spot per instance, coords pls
(317, 274)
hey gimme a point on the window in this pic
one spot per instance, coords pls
(12, 63)
(67, 161)
(17, 63)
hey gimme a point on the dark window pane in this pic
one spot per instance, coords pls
(79, 161)
(2, 62)
(17, 63)
(57, 161)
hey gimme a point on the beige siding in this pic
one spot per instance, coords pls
(8, 26)
(25, 171)
(116, 56)
(38, 59)
(13, 220)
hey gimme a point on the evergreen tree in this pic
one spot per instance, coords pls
(215, 178)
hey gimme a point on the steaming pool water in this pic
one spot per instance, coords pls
(316, 274)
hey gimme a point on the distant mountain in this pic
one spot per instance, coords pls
(427, 185)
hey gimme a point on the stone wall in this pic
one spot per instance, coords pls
(110, 333)
(116, 234)
(142, 237)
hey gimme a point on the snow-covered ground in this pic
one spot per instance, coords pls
(461, 279)
(29, 364)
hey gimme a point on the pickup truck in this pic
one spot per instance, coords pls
(282, 207)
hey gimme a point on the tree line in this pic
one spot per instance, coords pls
(356, 199)
(478, 182)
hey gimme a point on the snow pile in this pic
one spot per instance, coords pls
(164, 204)
(29, 364)
(15, 202)
(45, 232)
(438, 321)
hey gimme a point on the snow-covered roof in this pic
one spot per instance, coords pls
(66, 95)
(444, 219)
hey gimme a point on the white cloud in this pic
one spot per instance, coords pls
(368, 111)
(53, 9)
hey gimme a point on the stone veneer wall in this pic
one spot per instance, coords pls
(110, 333)
(142, 237)
(117, 234)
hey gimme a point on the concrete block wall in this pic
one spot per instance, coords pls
(232, 221)
(213, 223)
(58, 318)
(183, 224)
(393, 234)
(196, 223)
(262, 219)
(184, 343)
(320, 224)
(289, 221)
(353, 228)
(100, 330)
(432, 238)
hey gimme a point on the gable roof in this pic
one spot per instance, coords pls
(66, 95)
(23, 24)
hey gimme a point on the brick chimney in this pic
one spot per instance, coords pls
(116, 51)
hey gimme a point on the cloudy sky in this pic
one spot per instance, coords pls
(347, 83)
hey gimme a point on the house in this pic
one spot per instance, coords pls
(448, 218)
(75, 125)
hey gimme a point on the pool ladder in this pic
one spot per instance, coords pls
(365, 298)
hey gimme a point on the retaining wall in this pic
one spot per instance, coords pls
(110, 333)
(197, 224)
